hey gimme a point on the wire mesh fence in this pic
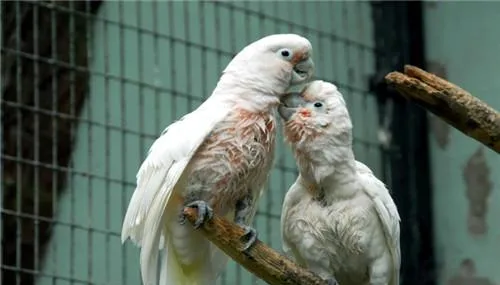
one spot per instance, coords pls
(86, 88)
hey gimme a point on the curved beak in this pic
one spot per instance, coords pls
(303, 71)
(289, 105)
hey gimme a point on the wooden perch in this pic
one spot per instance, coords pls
(261, 260)
(449, 102)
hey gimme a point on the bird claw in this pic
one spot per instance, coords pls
(250, 236)
(332, 281)
(205, 213)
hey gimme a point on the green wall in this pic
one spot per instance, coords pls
(463, 44)
(147, 74)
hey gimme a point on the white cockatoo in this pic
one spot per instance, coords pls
(215, 159)
(338, 219)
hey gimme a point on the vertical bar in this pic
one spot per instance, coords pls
(420, 147)
(277, 28)
(391, 154)
(261, 18)
(55, 126)
(247, 21)
(345, 27)
(72, 134)
(141, 95)
(157, 83)
(156, 55)
(157, 76)
(141, 90)
(107, 143)
(123, 90)
(232, 28)
(362, 67)
(188, 53)
(303, 5)
(19, 154)
(36, 130)
(320, 48)
(218, 48)
(173, 72)
(319, 21)
(90, 188)
(203, 36)
(1, 150)
(383, 19)
(335, 65)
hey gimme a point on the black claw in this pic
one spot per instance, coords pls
(204, 212)
(250, 237)
(331, 281)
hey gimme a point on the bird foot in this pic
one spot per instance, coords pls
(249, 237)
(205, 213)
(332, 281)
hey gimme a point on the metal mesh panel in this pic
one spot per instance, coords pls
(144, 65)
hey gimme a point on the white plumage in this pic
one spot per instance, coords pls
(338, 219)
(217, 157)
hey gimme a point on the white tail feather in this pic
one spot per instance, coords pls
(154, 222)
(174, 273)
(133, 223)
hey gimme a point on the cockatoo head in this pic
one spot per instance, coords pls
(316, 119)
(273, 64)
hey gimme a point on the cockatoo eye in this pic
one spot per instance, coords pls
(318, 104)
(286, 53)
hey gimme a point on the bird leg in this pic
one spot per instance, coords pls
(242, 211)
(205, 213)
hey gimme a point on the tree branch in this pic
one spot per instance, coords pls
(261, 260)
(454, 105)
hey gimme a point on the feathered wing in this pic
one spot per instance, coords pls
(157, 178)
(284, 215)
(290, 200)
(387, 212)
